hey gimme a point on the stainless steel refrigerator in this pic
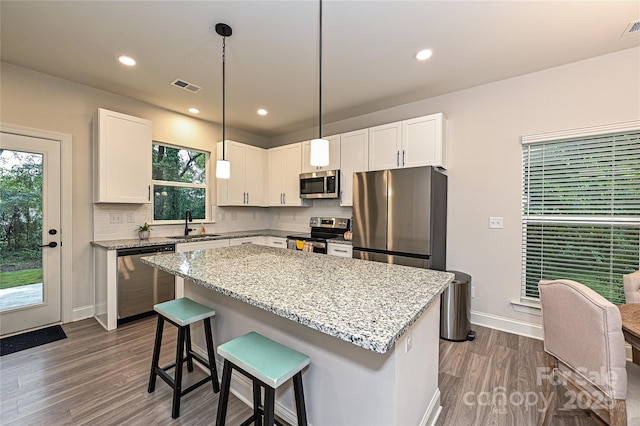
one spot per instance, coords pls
(400, 216)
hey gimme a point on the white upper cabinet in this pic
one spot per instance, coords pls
(384, 146)
(334, 155)
(424, 141)
(410, 143)
(246, 185)
(284, 167)
(354, 157)
(122, 159)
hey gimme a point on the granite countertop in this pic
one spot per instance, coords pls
(156, 241)
(366, 303)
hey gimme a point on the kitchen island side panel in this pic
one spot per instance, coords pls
(344, 384)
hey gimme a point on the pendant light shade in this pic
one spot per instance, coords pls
(223, 167)
(319, 152)
(320, 146)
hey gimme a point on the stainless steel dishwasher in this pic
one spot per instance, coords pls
(141, 286)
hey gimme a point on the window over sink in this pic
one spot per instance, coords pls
(179, 179)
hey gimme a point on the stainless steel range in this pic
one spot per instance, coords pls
(322, 229)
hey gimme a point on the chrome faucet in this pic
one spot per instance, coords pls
(187, 218)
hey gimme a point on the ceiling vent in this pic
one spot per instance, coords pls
(632, 28)
(186, 85)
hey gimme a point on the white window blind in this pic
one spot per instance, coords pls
(581, 211)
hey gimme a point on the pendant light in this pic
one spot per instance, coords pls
(223, 167)
(320, 146)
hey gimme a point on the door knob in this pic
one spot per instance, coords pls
(52, 244)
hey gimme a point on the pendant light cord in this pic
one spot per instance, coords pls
(320, 76)
(224, 97)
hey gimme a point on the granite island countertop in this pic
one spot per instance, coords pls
(369, 304)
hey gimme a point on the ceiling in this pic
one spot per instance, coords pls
(272, 56)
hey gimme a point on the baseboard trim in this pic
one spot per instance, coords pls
(433, 410)
(509, 325)
(83, 312)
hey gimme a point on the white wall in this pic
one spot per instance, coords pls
(486, 124)
(40, 101)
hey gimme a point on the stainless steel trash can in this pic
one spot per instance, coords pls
(455, 309)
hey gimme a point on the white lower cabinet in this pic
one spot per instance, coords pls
(340, 250)
(278, 242)
(259, 240)
(201, 245)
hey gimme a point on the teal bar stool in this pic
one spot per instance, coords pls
(182, 313)
(268, 364)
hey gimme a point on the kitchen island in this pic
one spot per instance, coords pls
(370, 329)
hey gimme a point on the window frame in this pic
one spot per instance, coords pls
(206, 185)
(567, 219)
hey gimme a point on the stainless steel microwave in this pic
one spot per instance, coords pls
(322, 184)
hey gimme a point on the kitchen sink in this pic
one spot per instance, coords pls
(194, 237)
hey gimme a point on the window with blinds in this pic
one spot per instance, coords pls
(581, 211)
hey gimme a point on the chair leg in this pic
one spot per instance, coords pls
(156, 354)
(177, 385)
(257, 401)
(298, 390)
(223, 399)
(618, 413)
(188, 349)
(269, 406)
(213, 369)
(550, 393)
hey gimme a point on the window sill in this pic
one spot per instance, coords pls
(526, 307)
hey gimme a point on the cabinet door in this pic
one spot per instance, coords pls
(354, 150)
(334, 155)
(255, 169)
(422, 141)
(236, 154)
(123, 159)
(293, 166)
(384, 146)
(276, 176)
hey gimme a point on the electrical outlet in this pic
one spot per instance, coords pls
(222, 216)
(234, 216)
(115, 218)
(131, 218)
(408, 341)
(496, 223)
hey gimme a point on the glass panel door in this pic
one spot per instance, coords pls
(30, 237)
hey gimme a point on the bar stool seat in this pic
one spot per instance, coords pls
(268, 364)
(182, 313)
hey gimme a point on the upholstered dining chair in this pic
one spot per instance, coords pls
(585, 351)
(632, 287)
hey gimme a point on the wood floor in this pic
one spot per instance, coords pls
(100, 378)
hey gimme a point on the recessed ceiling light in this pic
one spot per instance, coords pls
(262, 111)
(194, 110)
(424, 54)
(127, 60)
